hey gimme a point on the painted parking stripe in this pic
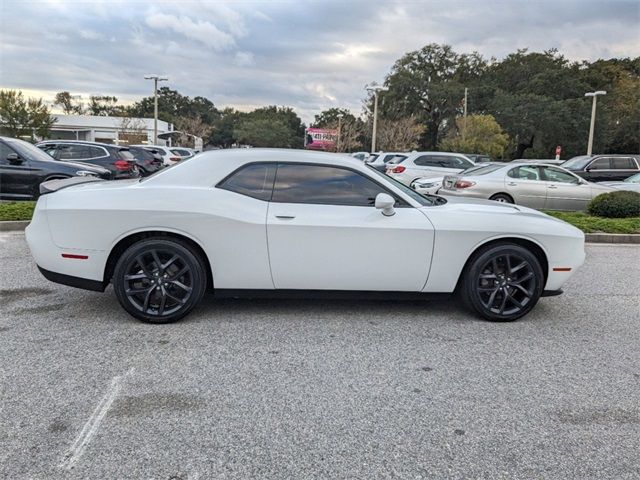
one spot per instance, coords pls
(93, 424)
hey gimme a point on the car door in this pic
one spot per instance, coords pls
(565, 191)
(622, 168)
(17, 180)
(526, 186)
(599, 170)
(324, 233)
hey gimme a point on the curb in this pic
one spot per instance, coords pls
(13, 226)
(18, 226)
(612, 238)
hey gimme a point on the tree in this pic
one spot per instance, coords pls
(22, 118)
(224, 127)
(429, 85)
(192, 126)
(263, 132)
(400, 135)
(103, 105)
(173, 105)
(67, 102)
(351, 128)
(132, 130)
(329, 118)
(476, 134)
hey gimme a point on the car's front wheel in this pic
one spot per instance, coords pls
(503, 282)
(159, 280)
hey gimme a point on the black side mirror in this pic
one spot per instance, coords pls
(14, 159)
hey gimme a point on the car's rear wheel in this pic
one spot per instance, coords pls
(503, 282)
(159, 280)
(502, 198)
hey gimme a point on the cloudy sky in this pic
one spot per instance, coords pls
(307, 54)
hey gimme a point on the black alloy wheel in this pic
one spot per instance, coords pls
(502, 198)
(159, 280)
(503, 282)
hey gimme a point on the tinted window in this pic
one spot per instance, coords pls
(72, 152)
(124, 154)
(600, 164)
(141, 154)
(323, 185)
(525, 173)
(554, 175)
(95, 152)
(427, 161)
(445, 161)
(623, 163)
(255, 181)
(4, 151)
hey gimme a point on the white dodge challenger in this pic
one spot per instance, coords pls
(289, 222)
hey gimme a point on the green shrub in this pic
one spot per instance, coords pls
(16, 210)
(621, 204)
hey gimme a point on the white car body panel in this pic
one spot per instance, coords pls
(324, 247)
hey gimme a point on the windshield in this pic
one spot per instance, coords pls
(634, 178)
(426, 201)
(577, 162)
(28, 150)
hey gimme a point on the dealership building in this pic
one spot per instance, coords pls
(116, 130)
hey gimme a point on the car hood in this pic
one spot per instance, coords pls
(611, 184)
(488, 206)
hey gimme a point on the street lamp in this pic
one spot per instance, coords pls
(156, 79)
(593, 117)
(375, 89)
(340, 115)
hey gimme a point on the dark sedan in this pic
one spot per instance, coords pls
(23, 167)
(604, 168)
(116, 158)
(147, 160)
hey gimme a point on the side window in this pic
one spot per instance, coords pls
(254, 181)
(622, 163)
(525, 173)
(49, 150)
(95, 152)
(4, 151)
(427, 161)
(316, 184)
(600, 164)
(555, 175)
(65, 152)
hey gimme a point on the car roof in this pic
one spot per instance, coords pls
(83, 142)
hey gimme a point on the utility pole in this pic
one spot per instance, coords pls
(593, 117)
(375, 89)
(339, 133)
(156, 79)
(464, 131)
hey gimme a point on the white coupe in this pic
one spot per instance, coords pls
(249, 222)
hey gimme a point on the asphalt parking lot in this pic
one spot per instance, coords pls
(320, 389)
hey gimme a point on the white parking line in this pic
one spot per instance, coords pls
(91, 427)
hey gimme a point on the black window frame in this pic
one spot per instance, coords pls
(400, 202)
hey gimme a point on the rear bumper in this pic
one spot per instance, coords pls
(72, 281)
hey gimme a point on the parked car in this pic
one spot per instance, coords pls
(530, 184)
(604, 168)
(182, 152)
(148, 162)
(632, 183)
(431, 186)
(168, 157)
(293, 222)
(380, 160)
(115, 158)
(23, 167)
(427, 165)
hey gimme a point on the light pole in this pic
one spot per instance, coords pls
(375, 89)
(339, 133)
(593, 117)
(156, 79)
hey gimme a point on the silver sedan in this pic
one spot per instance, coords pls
(530, 184)
(632, 183)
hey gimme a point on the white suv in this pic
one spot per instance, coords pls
(427, 165)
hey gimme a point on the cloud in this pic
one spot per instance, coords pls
(243, 59)
(204, 32)
(91, 35)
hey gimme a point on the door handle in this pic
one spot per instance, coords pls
(553, 186)
(512, 184)
(285, 216)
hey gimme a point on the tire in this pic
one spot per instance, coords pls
(159, 280)
(502, 282)
(502, 198)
